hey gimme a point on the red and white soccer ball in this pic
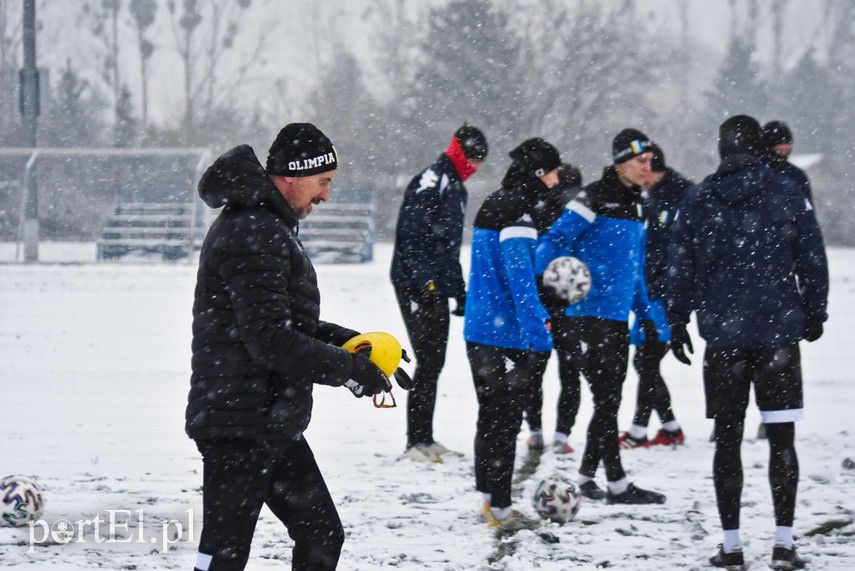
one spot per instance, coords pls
(557, 498)
(20, 501)
(569, 277)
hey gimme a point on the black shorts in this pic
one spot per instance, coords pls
(775, 372)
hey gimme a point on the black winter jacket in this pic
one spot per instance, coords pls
(258, 342)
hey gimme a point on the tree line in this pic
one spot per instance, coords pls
(572, 71)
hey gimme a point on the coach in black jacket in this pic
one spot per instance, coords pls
(258, 349)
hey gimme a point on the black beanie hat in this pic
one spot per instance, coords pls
(739, 135)
(629, 143)
(776, 133)
(536, 156)
(657, 163)
(569, 176)
(472, 141)
(301, 149)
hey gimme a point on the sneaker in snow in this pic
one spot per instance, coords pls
(485, 512)
(516, 521)
(667, 438)
(634, 495)
(562, 447)
(733, 561)
(592, 491)
(438, 449)
(784, 558)
(535, 442)
(627, 441)
(421, 453)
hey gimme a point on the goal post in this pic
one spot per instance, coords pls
(95, 173)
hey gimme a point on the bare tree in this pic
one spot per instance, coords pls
(204, 34)
(143, 13)
(102, 18)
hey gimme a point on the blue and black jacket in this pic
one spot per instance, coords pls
(604, 227)
(430, 230)
(747, 254)
(502, 305)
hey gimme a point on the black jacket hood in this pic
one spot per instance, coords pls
(237, 178)
(749, 168)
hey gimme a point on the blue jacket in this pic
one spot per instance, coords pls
(502, 305)
(430, 230)
(747, 254)
(603, 226)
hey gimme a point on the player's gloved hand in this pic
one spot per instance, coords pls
(651, 334)
(461, 305)
(366, 379)
(813, 331)
(549, 298)
(680, 342)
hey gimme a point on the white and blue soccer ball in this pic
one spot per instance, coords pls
(569, 277)
(557, 498)
(21, 501)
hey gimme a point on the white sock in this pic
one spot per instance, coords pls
(582, 479)
(203, 561)
(501, 513)
(485, 498)
(618, 487)
(560, 437)
(671, 426)
(784, 535)
(638, 432)
(731, 540)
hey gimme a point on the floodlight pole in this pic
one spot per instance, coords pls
(30, 111)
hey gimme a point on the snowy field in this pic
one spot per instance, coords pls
(94, 366)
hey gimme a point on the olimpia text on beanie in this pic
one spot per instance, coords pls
(301, 149)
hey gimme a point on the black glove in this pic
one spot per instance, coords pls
(549, 298)
(366, 379)
(813, 331)
(680, 341)
(651, 334)
(461, 305)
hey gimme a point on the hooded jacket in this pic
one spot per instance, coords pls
(502, 305)
(258, 342)
(747, 254)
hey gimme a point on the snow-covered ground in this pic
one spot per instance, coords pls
(94, 368)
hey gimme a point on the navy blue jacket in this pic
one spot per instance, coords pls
(502, 306)
(662, 202)
(430, 230)
(603, 226)
(747, 254)
(780, 164)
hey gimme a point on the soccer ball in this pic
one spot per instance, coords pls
(21, 501)
(569, 277)
(557, 498)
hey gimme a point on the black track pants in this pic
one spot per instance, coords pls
(426, 319)
(501, 379)
(652, 391)
(601, 350)
(568, 375)
(240, 476)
